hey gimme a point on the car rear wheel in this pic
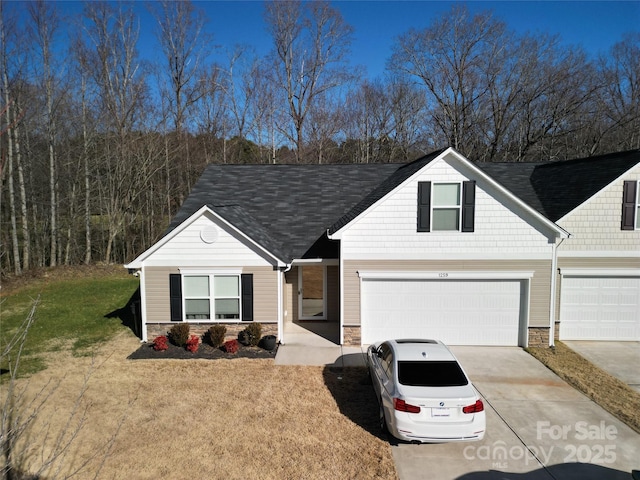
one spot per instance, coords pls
(383, 420)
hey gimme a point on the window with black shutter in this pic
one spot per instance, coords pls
(175, 297)
(247, 297)
(424, 206)
(630, 205)
(210, 296)
(468, 206)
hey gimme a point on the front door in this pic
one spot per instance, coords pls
(312, 299)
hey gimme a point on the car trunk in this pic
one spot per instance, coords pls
(439, 405)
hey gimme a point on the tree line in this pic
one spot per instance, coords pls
(99, 147)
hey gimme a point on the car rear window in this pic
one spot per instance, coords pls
(431, 374)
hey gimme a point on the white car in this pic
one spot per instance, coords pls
(424, 394)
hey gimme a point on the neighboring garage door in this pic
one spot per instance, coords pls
(458, 312)
(600, 308)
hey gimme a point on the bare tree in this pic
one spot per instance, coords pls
(617, 122)
(448, 58)
(183, 43)
(311, 41)
(122, 91)
(45, 24)
(263, 109)
(181, 37)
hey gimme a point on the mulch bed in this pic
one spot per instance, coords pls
(205, 351)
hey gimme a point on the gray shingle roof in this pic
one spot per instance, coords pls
(284, 208)
(556, 188)
(288, 209)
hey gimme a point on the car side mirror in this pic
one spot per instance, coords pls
(378, 352)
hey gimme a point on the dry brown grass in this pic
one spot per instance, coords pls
(232, 419)
(607, 391)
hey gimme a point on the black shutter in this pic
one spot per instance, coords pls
(175, 296)
(629, 205)
(468, 206)
(247, 296)
(424, 206)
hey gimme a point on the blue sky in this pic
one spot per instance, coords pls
(595, 25)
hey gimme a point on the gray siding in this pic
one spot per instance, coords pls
(265, 293)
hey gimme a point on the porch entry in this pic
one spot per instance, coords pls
(312, 299)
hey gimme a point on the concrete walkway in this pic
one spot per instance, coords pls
(316, 345)
(620, 359)
(313, 350)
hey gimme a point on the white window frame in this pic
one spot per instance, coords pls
(446, 207)
(212, 294)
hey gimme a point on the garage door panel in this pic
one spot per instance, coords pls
(600, 308)
(460, 312)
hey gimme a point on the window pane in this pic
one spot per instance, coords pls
(228, 308)
(446, 194)
(226, 286)
(196, 286)
(431, 374)
(197, 309)
(446, 219)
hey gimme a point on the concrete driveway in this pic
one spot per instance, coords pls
(538, 427)
(620, 359)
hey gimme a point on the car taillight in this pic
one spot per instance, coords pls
(475, 408)
(403, 406)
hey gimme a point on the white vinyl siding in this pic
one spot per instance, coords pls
(388, 231)
(595, 225)
(188, 249)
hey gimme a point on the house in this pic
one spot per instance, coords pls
(470, 253)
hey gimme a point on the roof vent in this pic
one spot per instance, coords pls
(209, 234)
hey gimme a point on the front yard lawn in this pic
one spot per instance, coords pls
(231, 419)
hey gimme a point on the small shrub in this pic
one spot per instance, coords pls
(231, 346)
(161, 343)
(215, 335)
(251, 335)
(193, 343)
(179, 334)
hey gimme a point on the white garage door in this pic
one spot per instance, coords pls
(458, 312)
(600, 308)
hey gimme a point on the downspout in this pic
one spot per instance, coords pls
(341, 276)
(281, 273)
(143, 305)
(554, 281)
